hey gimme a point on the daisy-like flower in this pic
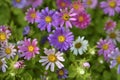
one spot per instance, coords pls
(19, 64)
(61, 4)
(4, 34)
(82, 20)
(114, 35)
(51, 59)
(61, 38)
(105, 47)
(62, 73)
(115, 59)
(32, 15)
(90, 3)
(9, 50)
(26, 30)
(19, 3)
(35, 3)
(3, 65)
(77, 6)
(48, 18)
(66, 17)
(79, 46)
(28, 49)
(110, 7)
(110, 25)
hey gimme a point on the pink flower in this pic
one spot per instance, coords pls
(110, 25)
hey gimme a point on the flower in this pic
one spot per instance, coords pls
(79, 46)
(115, 59)
(82, 20)
(3, 65)
(61, 4)
(105, 47)
(4, 34)
(48, 18)
(62, 73)
(110, 7)
(26, 30)
(9, 50)
(61, 38)
(77, 6)
(90, 3)
(28, 49)
(19, 3)
(86, 64)
(35, 3)
(32, 15)
(19, 64)
(114, 36)
(66, 17)
(51, 59)
(110, 25)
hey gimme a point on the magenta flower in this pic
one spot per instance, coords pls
(110, 25)
(83, 20)
(32, 15)
(110, 7)
(28, 49)
(66, 17)
(105, 47)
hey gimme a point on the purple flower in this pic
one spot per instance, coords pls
(28, 49)
(105, 47)
(48, 18)
(26, 30)
(19, 3)
(115, 59)
(61, 38)
(110, 25)
(19, 64)
(90, 3)
(82, 20)
(61, 4)
(66, 17)
(35, 3)
(62, 73)
(110, 7)
(32, 15)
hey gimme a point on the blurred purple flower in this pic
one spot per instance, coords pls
(34, 3)
(26, 30)
(19, 64)
(110, 25)
(19, 3)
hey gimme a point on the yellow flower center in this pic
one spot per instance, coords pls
(18, 1)
(112, 35)
(78, 45)
(1, 63)
(63, 4)
(61, 72)
(8, 51)
(65, 17)
(76, 6)
(30, 48)
(33, 15)
(61, 38)
(118, 59)
(112, 4)
(89, 2)
(105, 46)
(2, 36)
(81, 18)
(48, 19)
(52, 58)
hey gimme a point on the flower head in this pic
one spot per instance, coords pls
(105, 47)
(51, 59)
(19, 64)
(110, 25)
(48, 18)
(35, 3)
(26, 30)
(79, 46)
(61, 38)
(3, 65)
(28, 49)
(82, 20)
(32, 15)
(110, 7)
(19, 3)
(66, 17)
(62, 73)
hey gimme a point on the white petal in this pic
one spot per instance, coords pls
(52, 67)
(48, 65)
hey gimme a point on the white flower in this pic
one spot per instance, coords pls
(3, 65)
(9, 50)
(51, 59)
(79, 46)
(114, 35)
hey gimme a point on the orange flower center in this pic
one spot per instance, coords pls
(89, 2)
(76, 6)
(33, 15)
(8, 51)
(48, 19)
(81, 18)
(63, 4)
(2, 36)
(52, 58)
(112, 35)
(30, 48)
(61, 38)
(18, 1)
(61, 72)
(112, 4)
(105, 46)
(78, 45)
(65, 17)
